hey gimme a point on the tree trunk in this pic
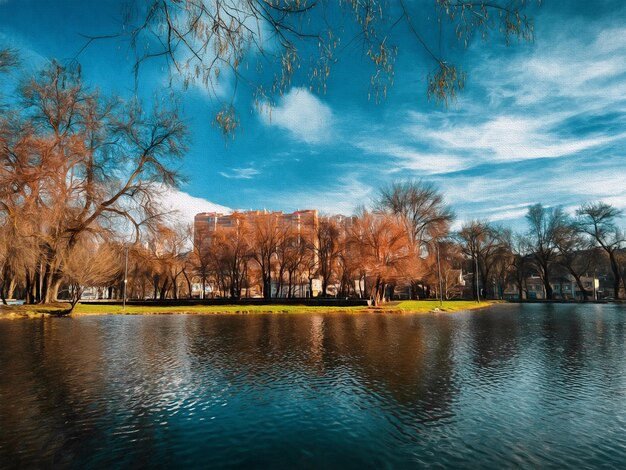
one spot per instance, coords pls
(267, 285)
(484, 281)
(76, 292)
(290, 287)
(12, 286)
(37, 282)
(546, 282)
(475, 287)
(375, 293)
(548, 288)
(581, 287)
(279, 288)
(28, 287)
(46, 282)
(164, 288)
(174, 282)
(54, 290)
(617, 278)
(414, 290)
(188, 281)
(520, 289)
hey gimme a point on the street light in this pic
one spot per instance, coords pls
(476, 278)
(125, 277)
(436, 242)
(439, 273)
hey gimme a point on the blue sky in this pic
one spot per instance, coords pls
(537, 122)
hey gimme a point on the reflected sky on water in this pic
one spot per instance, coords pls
(512, 386)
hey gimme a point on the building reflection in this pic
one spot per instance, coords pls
(127, 385)
(406, 363)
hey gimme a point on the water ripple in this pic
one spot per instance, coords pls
(516, 387)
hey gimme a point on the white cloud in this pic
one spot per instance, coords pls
(610, 40)
(408, 158)
(522, 107)
(508, 138)
(504, 195)
(240, 173)
(301, 113)
(595, 184)
(578, 68)
(563, 99)
(185, 206)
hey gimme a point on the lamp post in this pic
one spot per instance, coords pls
(428, 244)
(476, 278)
(125, 277)
(439, 274)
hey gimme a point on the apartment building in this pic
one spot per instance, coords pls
(207, 223)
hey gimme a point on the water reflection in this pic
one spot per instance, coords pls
(517, 385)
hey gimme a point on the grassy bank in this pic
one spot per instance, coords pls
(423, 306)
(410, 306)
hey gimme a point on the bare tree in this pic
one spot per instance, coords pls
(483, 243)
(422, 211)
(89, 264)
(168, 247)
(200, 259)
(267, 234)
(18, 249)
(384, 250)
(576, 252)
(81, 163)
(598, 220)
(520, 262)
(231, 253)
(545, 223)
(348, 264)
(291, 253)
(451, 261)
(324, 244)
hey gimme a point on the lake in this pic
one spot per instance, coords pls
(512, 386)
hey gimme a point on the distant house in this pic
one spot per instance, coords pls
(563, 288)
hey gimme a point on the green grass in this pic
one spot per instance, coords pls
(409, 306)
(417, 306)
(133, 309)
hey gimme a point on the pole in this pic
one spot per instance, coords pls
(439, 271)
(476, 278)
(125, 277)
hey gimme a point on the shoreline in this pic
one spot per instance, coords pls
(81, 310)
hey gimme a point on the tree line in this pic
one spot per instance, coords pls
(79, 177)
(404, 244)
